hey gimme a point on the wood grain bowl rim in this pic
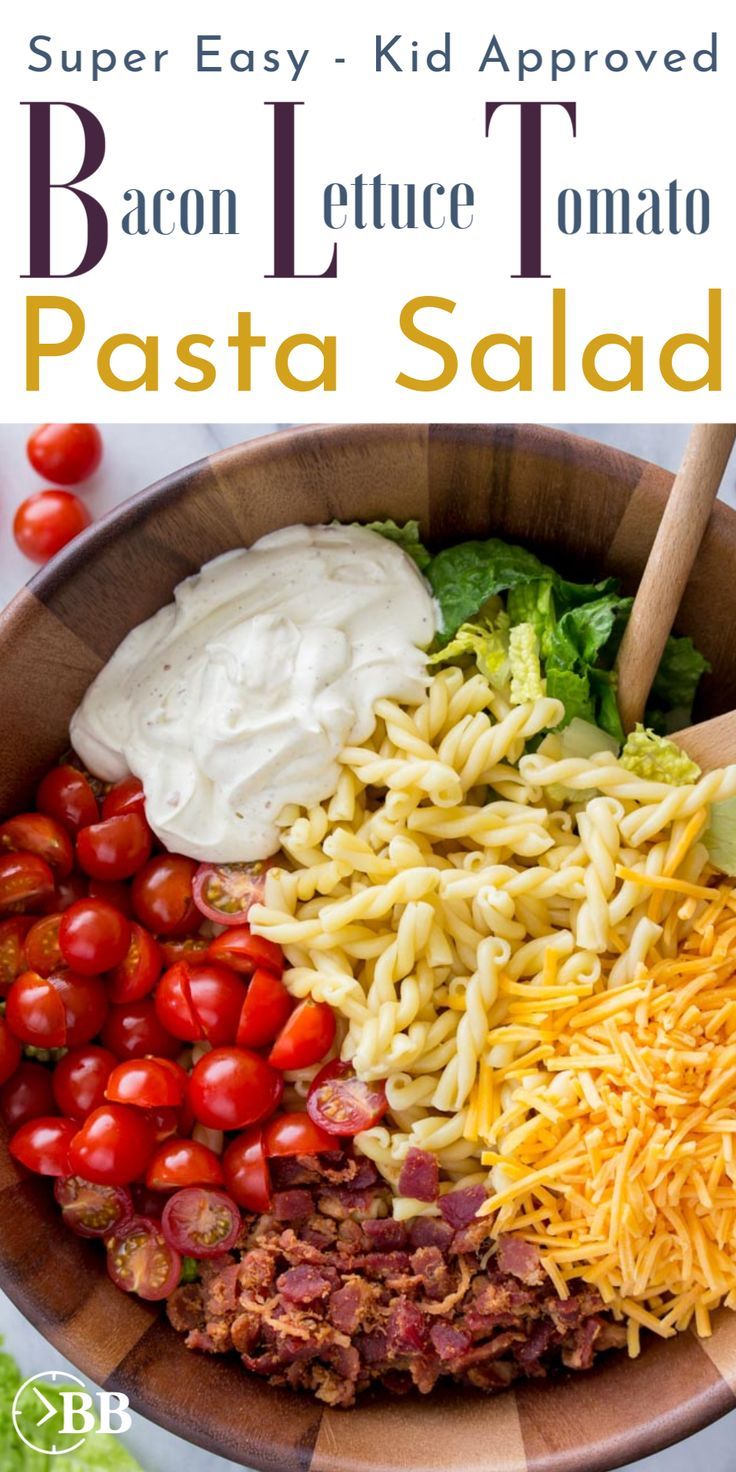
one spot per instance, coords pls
(704, 1401)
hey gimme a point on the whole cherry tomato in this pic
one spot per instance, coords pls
(80, 1079)
(10, 1050)
(136, 975)
(162, 896)
(34, 833)
(237, 948)
(27, 1094)
(26, 883)
(65, 453)
(295, 1134)
(341, 1104)
(231, 1087)
(140, 1260)
(112, 1146)
(126, 796)
(306, 1036)
(65, 795)
(133, 1030)
(178, 1163)
(200, 1222)
(92, 1210)
(226, 892)
(246, 1171)
(266, 1008)
(147, 1083)
(115, 848)
(41, 946)
(93, 936)
(42, 1145)
(201, 1002)
(46, 521)
(12, 955)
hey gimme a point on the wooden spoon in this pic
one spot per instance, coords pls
(711, 743)
(668, 568)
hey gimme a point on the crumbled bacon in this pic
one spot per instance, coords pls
(459, 1208)
(420, 1176)
(293, 1205)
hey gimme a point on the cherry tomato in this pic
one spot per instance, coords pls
(200, 1223)
(65, 794)
(306, 1036)
(12, 956)
(200, 1002)
(10, 1050)
(236, 947)
(114, 891)
(225, 892)
(34, 833)
(112, 1146)
(27, 1094)
(93, 936)
(85, 1004)
(80, 1079)
(126, 796)
(165, 1122)
(41, 947)
(91, 1209)
(136, 975)
(74, 887)
(115, 848)
(178, 1163)
(133, 1030)
(26, 883)
(192, 948)
(162, 896)
(42, 1145)
(246, 1171)
(231, 1087)
(295, 1134)
(147, 1203)
(140, 1260)
(147, 1083)
(65, 453)
(45, 522)
(35, 1011)
(341, 1104)
(266, 1008)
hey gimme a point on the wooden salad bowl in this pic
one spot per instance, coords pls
(591, 510)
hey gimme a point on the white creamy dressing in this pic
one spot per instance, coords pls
(235, 700)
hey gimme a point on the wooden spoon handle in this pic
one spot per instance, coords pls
(670, 561)
(711, 743)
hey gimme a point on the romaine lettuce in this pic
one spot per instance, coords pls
(657, 759)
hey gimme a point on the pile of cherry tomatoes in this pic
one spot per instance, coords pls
(102, 957)
(66, 454)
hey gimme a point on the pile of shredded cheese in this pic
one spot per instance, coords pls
(612, 1137)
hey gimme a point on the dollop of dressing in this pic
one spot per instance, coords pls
(235, 700)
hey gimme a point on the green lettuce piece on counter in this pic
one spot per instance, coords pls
(487, 643)
(406, 535)
(658, 759)
(720, 836)
(526, 670)
(100, 1452)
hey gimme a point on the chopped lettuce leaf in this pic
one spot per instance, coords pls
(406, 535)
(526, 671)
(583, 632)
(574, 692)
(99, 1452)
(489, 646)
(657, 759)
(720, 836)
(463, 578)
(675, 684)
(189, 1270)
(582, 739)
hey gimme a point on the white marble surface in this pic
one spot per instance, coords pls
(135, 456)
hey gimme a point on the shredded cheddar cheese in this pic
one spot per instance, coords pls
(613, 1152)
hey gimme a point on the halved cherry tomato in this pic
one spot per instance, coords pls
(231, 1087)
(200, 1223)
(225, 892)
(112, 1146)
(295, 1134)
(140, 1260)
(162, 896)
(147, 1083)
(246, 1171)
(34, 833)
(165, 1122)
(93, 936)
(80, 1079)
(236, 947)
(341, 1104)
(200, 1002)
(192, 948)
(133, 1030)
(179, 1163)
(126, 796)
(12, 956)
(65, 794)
(136, 975)
(91, 1209)
(27, 1094)
(65, 453)
(26, 883)
(115, 848)
(46, 521)
(266, 1008)
(10, 1050)
(306, 1036)
(115, 891)
(42, 1145)
(56, 1011)
(41, 947)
